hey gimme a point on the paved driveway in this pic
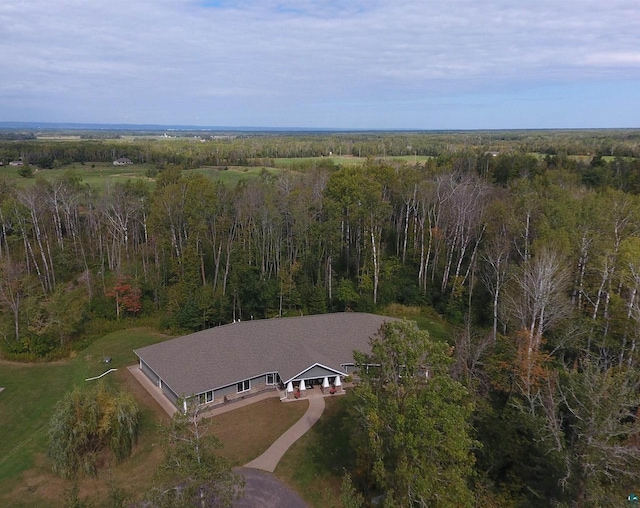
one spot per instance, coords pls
(263, 490)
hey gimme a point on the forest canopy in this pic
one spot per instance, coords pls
(528, 242)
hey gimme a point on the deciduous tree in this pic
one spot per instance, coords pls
(191, 473)
(87, 423)
(412, 420)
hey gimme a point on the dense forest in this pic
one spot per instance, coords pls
(527, 242)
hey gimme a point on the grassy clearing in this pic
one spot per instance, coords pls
(32, 390)
(426, 318)
(101, 174)
(97, 175)
(308, 162)
(233, 174)
(104, 174)
(315, 464)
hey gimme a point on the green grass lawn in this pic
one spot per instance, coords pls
(315, 464)
(32, 390)
(233, 174)
(247, 432)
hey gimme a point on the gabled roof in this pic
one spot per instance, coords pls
(226, 354)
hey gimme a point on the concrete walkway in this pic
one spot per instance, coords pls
(153, 390)
(269, 459)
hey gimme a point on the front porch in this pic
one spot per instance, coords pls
(326, 386)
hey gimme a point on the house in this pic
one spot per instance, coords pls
(122, 161)
(241, 359)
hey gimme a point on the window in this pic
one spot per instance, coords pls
(271, 378)
(244, 386)
(206, 397)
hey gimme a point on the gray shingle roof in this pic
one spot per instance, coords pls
(226, 354)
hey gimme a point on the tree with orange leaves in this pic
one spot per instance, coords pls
(126, 295)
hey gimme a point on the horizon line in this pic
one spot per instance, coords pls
(246, 128)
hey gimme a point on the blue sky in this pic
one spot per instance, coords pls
(362, 64)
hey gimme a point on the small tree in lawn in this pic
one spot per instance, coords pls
(126, 295)
(86, 424)
(192, 474)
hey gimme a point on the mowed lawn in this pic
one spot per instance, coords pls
(31, 391)
(247, 432)
(315, 464)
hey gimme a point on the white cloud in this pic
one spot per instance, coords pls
(202, 54)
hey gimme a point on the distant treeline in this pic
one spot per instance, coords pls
(244, 149)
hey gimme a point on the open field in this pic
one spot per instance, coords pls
(232, 175)
(100, 175)
(97, 175)
(305, 162)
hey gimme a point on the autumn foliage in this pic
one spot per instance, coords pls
(126, 295)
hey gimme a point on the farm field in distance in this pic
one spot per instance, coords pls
(100, 174)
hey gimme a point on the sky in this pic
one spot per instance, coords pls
(343, 64)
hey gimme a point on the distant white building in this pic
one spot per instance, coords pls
(122, 161)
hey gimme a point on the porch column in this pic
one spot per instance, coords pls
(338, 384)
